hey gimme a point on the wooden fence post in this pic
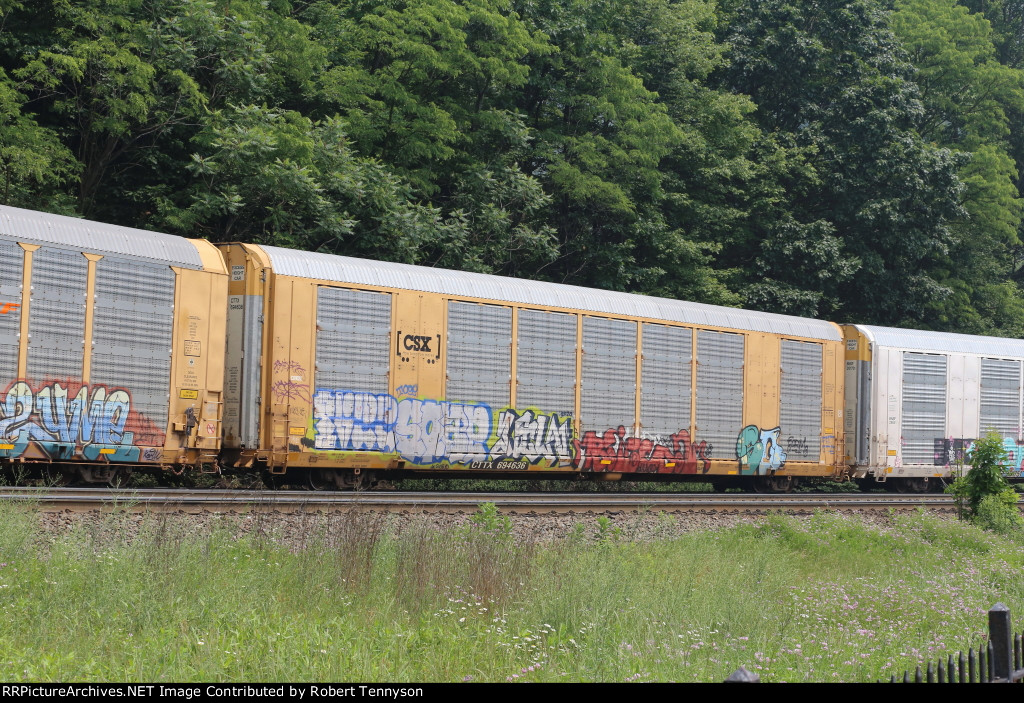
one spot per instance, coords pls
(999, 634)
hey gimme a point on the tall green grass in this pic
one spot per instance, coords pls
(359, 599)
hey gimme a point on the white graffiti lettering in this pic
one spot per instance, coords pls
(421, 431)
(532, 436)
(434, 431)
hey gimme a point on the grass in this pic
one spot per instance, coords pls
(823, 599)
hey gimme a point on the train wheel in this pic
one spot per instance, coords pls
(271, 481)
(910, 485)
(365, 480)
(322, 479)
(112, 476)
(774, 484)
(918, 485)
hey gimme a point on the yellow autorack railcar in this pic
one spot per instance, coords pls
(350, 370)
(111, 347)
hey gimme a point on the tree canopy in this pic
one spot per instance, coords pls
(858, 160)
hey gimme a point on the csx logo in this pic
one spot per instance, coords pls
(8, 307)
(413, 342)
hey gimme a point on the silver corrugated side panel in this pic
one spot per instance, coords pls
(351, 271)
(1000, 397)
(479, 354)
(800, 400)
(608, 386)
(133, 326)
(249, 392)
(719, 391)
(84, 235)
(12, 266)
(353, 340)
(665, 379)
(243, 370)
(546, 362)
(924, 406)
(56, 317)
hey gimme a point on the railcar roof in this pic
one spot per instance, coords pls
(43, 228)
(925, 341)
(344, 269)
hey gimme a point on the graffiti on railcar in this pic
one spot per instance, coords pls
(797, 445)
(291, 387)
(68, 421)
(533, 436)
(290, 390)
(759, 451)
(616, 450)
(424, 431)
(289, 367)
(952, 451)
(1014, 456)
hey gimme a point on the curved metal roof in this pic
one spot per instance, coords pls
(925, 341)
(34, 227)
(343, 269)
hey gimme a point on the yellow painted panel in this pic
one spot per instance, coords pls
(832, 377)
(197, 360)
(209, 256)
(26, 299)
(422, 315)
(761, 381)
(856, 344)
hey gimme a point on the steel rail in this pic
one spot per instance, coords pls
(149, 498)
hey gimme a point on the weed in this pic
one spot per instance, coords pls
(488, 519)
(605, 531)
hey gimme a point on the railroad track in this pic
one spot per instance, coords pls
(148, 499)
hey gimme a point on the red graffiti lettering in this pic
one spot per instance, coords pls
(614, 451)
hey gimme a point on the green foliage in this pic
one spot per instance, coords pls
(1000, 512)
(606, 532)
(490, 521)
(34, 165)
(983, 493)
(860, 203)
(850, 159)
(967, 96)
(363, 596)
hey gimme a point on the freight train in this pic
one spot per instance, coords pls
(124, 349)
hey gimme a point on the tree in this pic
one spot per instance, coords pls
(276, 177)
(983, 493)
(967, 96)
(863, 203)
(126, 82)
(34, 166)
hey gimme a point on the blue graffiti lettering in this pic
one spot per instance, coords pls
(420, 431)
(64, 427)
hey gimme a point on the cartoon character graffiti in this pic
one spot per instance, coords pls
(759, 451)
